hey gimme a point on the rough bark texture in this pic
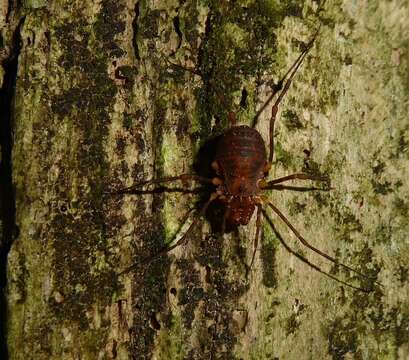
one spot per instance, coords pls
(93, 102)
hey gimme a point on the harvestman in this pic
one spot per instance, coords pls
(242, 168)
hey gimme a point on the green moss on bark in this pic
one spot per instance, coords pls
(100, 107)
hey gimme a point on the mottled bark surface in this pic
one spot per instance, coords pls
(98, 96)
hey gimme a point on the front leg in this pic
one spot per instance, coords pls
(183, 178)
(266, 185)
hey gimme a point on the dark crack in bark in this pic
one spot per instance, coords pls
(7, 195)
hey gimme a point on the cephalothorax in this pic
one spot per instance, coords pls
(242, 168)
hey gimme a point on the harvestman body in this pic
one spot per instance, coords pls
(242, 167)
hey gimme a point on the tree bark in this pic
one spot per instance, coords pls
(99, 96)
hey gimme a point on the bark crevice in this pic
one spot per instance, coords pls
(7, 193)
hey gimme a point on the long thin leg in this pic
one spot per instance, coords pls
(162, 189)
(305, 260)
(279, 85)
(274, 109)
(305, 243)
(182, 240)
(256, 238)
(183, 178)
(300, 176)
(296, 188)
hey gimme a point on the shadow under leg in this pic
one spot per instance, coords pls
(305, 243)
(306, 261)
(182, 240)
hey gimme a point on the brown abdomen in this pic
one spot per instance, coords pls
(241, 153)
